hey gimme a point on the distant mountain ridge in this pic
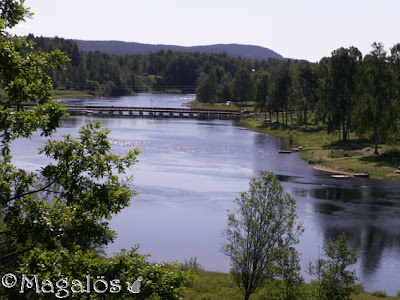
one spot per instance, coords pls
(235, 50)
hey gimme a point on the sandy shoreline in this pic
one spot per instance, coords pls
(331, 170)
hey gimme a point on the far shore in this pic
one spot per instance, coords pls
(320, 150)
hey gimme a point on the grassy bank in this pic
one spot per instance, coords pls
(321, 148)
(221, 106)
(66, 94)
(215, 106)
(219, 286)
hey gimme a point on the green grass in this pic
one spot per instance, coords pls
(212, 285)
(66, 94)
(219, 286)
(216, 106)
(319, 147)
(221, 106)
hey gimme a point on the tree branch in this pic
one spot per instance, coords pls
(35, 191)
(18, 252)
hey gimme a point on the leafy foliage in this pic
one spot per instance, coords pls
(376, 112)
(261, 228)
(160, 281)
(333, 279)
(53, 221)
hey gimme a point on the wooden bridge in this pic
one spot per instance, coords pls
(153, 112)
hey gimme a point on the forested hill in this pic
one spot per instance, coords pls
(106, 74)
(235, 50)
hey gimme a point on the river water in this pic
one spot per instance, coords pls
(190, 171)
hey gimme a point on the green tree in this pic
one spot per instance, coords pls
(304, 89)
(53, 219)
(377, 110)
(283, 83)
(287, 283)
(261, 98)
(333, 279)
(395, 66)
(344, 64)
(280, 90)
(264, 225)
(207, 88)
(225, 92)
(323, 92)
(242, 86)
(289, 272)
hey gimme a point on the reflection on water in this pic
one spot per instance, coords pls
(368, 212)
(327, 208)
(329, 193)
(190, 171)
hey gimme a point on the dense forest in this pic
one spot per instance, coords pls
(211, 76)
(345, 92)
(115, 75)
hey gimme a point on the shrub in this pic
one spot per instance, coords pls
(333, 280)
(191, 264)
(357, 289)
(379, 294)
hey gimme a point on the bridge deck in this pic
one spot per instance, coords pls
(153, 111)
(150, 109)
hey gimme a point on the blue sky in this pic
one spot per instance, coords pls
(301, 29)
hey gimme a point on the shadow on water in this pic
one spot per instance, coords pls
(370, 227)
(370, 196)
(287, 178)
(329, 193)
(327, 208)
(371, 241)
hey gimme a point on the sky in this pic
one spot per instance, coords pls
(299, 29)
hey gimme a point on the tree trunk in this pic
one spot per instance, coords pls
(376, 126)
(286, 116)
(291, 118)
(305, 113)
(247, 296)
(265, 116)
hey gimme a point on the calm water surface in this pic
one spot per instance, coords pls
(190, 171)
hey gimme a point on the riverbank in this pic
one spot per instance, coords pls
(69, 94)
(213, 285)
(226, 106)
(324, 150)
